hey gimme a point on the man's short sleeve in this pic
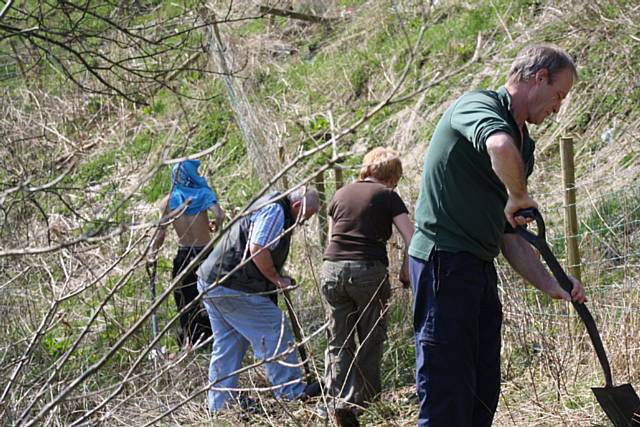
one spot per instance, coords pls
(476, 116)
(267, 225)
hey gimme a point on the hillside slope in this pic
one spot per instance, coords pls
(81, 172)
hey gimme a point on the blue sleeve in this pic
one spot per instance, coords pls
(267, 225)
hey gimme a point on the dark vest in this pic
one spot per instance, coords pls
(233, 248)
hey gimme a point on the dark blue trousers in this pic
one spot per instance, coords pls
(457, 318)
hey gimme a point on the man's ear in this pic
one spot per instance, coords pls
(542, 75)
(295, 208)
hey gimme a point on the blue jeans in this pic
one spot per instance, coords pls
(457, 322)
(239, 319)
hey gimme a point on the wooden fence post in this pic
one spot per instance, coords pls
(283, 163)
(570, 215)
(322, 214)
(338, 174)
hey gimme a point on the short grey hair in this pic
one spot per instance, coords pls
(308, 195)
(536, 57)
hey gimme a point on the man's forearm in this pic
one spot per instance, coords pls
(525, 262)
(263, 260)
(218, 215)
(158, 240)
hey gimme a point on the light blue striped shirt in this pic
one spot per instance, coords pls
(267, 224)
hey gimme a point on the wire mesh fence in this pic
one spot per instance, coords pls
(545, 344)
(79, 314)
(79, 347)
(8, 68)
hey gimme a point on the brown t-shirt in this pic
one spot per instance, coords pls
(362, 214)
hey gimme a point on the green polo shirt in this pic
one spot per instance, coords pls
(461, 201)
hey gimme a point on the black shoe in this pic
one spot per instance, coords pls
(313, 389)
(343, 417)
(245, 404)
(346, 418)
(248, 404)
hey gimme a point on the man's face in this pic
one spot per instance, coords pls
(302, 212)
(544, 97)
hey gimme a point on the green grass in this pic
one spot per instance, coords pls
(56, 343)
(347, 79)
(618, 208)
(356, 68)
(98, 168)
(252, 27)
(158, 186)
(216, 123)
(142, 145)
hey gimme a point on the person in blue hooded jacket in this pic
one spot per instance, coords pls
(190, 201)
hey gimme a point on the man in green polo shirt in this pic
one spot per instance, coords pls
(474, 180)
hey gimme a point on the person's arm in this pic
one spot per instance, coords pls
(405, 228)
(507, 164)
(268, 225)
(218, 217)
(262, 259)
(525, 262)
(161, 233)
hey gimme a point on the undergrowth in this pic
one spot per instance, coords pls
(115, 153)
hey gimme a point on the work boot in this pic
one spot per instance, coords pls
(312, 389)
(243, 404)
(346, 418)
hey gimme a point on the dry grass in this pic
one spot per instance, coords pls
(548, 361)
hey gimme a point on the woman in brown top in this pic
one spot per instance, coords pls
(356, 283)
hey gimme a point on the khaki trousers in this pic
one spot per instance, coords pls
(356, 293)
